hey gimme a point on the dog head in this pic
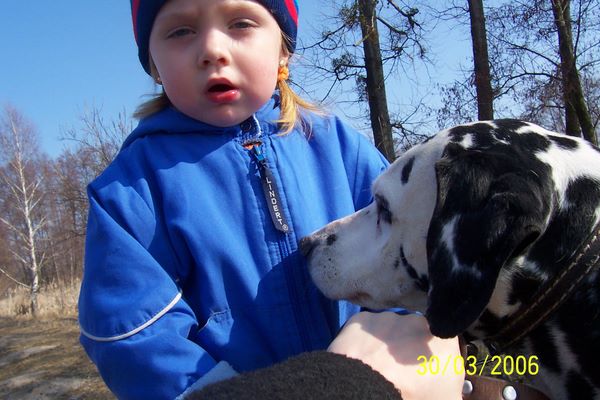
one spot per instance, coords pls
(447, 216)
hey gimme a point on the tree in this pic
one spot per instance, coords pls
(471, 96)
(548, 48)
(577, 114)
(96, 142)
(22, 197)
(68, 178)
(375, 79)
(483, 84)
(365, 43)
(43, 203)
(543, 58)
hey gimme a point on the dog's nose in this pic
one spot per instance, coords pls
(306, 245)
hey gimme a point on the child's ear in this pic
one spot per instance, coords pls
(153, 70)
(284, 54)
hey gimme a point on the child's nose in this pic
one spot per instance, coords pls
(213, 50)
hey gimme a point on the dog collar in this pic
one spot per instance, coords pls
(551, 295)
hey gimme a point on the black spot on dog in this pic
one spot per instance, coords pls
(407, 169)
(405, 261)
(564, 142)
(569, 225)
(486, 136)
(383, 209)
(533, 142)
(502, 129)
(458, 133)
(331, 239)
(421, 282)
(510, 124)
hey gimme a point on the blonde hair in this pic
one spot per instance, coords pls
(292, 106)
(157, 103)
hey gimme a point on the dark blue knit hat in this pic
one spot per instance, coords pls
(143, 13)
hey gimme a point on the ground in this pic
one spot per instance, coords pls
(42, 360)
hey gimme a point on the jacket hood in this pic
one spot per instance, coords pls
(173, 121)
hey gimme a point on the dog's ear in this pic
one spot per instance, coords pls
(488, 211)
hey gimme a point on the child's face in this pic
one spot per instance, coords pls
(217, 59)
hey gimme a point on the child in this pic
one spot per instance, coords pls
(192, 271)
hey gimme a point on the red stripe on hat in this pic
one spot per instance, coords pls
(291, 6)
(135, 5)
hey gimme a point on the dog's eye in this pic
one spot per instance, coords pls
(383, 212)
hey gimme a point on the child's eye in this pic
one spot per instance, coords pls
(179, 32)
(242, 24)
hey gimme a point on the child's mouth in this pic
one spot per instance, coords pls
(222, 93)
(221, 87)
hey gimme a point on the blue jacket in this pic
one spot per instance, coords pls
(187, 277)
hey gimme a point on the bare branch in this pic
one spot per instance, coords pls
(9, 276)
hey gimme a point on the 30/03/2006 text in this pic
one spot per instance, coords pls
(506, 365)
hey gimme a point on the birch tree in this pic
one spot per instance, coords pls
(22, 197)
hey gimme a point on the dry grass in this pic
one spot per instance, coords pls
(41, 358)
(53, 301)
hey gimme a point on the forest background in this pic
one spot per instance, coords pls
(397, 70)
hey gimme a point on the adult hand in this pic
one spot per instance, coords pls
(392, 344)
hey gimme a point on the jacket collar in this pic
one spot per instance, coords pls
(173, 121)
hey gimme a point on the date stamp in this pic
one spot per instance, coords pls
(505, 365)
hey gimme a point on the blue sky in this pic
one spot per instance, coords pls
(61, 56)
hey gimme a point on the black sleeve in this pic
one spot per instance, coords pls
(316, 375)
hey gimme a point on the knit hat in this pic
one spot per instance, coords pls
(143, 13)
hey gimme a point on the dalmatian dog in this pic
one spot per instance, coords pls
(464, 228)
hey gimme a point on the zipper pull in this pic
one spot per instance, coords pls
(260, 157)
(270, 189)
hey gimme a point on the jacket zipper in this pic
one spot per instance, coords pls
(271, 192)
(270, 189)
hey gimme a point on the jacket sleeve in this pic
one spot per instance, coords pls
(316, 375)
(370, 163)
(135, 325)
(364, 163)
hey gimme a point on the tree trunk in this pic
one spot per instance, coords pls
(483, 84)
(33, 293)
(573, 91)
(380, 118)
(28, 202)
(571, 119)
(17, 140)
